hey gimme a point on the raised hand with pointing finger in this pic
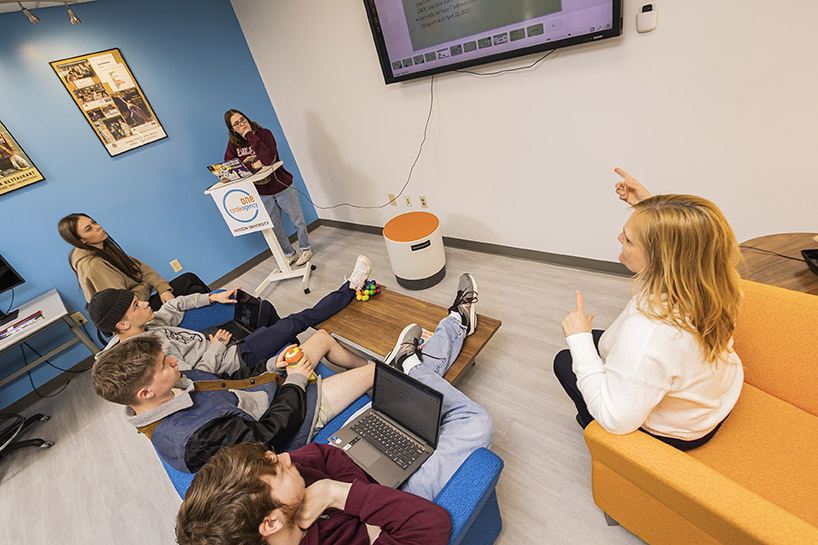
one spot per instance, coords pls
(577, 321)
(629, 189)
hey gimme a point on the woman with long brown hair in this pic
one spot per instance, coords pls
(666, 365)
(256, 148)
(100, 263)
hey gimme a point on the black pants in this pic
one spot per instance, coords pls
(565, 374)
(184, 284)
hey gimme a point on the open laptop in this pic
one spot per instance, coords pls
(392, 438)
(230, 171)
(246, 317)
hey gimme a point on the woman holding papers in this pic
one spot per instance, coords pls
(100, 263)
(256, 148)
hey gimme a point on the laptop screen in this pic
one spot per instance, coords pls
(248, 310)
(408, 402)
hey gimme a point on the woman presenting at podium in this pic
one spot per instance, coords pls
(256, 148)
(100, 263)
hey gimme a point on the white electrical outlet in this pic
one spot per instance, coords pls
(408, 201)
(176, 265)
(79, 318)
(423, 202)
(392, 200)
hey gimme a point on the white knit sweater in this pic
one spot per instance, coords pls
(652, 375)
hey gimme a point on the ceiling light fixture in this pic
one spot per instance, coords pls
(31, 17)
(71, 15)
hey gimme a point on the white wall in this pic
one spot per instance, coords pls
(720, 101)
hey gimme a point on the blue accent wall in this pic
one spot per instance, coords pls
(192, 63)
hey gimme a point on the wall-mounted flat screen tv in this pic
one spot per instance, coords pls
(9, 278)
(418, 38)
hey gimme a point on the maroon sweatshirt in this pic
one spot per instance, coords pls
(404, 518)
(262, 147)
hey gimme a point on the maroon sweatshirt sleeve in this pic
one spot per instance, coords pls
(264, 145)
(404, 518)
(339, 466)
(231, 152)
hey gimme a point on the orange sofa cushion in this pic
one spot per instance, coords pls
(771, 448)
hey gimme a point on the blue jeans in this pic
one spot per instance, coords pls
(287, 200)
(268, 340)
(465, 425)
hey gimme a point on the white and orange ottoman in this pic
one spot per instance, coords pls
(415, 247)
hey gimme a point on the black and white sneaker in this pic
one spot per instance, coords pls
(465, 302)
(406, 346)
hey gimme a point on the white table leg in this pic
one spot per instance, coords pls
(283, 269)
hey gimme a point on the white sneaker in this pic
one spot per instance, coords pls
(305, 256)
(360, 274)
(291, 259)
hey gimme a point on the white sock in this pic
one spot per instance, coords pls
(410, 363)
(457, 316)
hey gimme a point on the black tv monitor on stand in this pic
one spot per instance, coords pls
(8, 279)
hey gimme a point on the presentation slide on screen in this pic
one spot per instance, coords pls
(428, 34)
(433, 22)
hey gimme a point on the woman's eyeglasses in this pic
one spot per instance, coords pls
(238, 122)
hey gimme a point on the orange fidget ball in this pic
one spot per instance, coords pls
(292, 355)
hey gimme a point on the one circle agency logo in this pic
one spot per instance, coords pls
(240, 205)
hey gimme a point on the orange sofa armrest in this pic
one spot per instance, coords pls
(719, 506)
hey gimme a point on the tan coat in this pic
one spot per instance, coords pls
(95, 274)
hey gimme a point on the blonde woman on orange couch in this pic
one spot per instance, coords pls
(666, 365)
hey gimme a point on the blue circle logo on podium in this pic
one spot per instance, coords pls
(240, 205)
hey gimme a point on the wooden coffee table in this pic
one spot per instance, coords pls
(778, 271)
(376, 324)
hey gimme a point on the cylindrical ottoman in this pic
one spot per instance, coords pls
(415, 248)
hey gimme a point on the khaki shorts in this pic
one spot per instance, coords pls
(325, 412)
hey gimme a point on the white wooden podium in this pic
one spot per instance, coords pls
(243, 212)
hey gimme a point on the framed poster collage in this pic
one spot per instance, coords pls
(107, 94)
(16, 169)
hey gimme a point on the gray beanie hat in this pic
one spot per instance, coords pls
(107, 307)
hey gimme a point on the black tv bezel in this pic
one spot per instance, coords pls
(12, 314)
(4, 263)
(389, 77)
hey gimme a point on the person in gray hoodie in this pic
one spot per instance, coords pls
(121, 313)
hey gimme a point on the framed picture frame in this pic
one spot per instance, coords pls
(106, 92)
(16, 169)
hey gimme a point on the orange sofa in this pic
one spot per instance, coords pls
(757, 480)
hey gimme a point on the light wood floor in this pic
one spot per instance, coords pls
(102, 483)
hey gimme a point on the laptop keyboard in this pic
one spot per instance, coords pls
(394, 444)
(237, 332)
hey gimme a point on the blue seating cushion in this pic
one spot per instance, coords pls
(204, 317)
(469, 489)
